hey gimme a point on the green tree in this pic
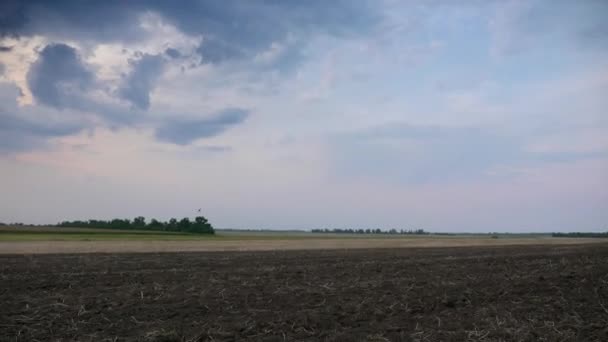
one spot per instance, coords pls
(202, 225)
(200, 220)
(155, 225)
(139, 222)
(120, 224)
(184, 225)
(172, 226)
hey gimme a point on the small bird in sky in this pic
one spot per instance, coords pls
(199, 210)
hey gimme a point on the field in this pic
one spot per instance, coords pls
(500, 293)
(44, 240)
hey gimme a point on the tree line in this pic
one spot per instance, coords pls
(200, 225)
(581, 234)
(371, 231)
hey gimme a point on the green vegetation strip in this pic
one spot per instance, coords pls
(63, 234)
(97, 237)
(17, 234)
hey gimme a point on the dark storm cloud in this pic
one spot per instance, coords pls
(254, 26)
(255, 23)
(71, 19)
(184, 132)
(57, 75)
(6, 48)
(141, 81)
(231, 28)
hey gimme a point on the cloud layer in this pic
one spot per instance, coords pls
(255, 35)
(438, 114)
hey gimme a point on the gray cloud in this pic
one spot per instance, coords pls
(216, 149)
(71, 19)
(20, 130)
(173, 53)
(236, 28)
(57, 75)
(185, 131)
(232, 28)
(595, 35)
(216, 51)
(232, 31)
(6, 48)
(254, 23)
(141, 81)
(61, 80)
(519, 26)
(421, 154)
(20, 135)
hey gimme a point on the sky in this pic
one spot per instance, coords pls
(450, 116)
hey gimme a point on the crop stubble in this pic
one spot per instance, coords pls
(508, 293)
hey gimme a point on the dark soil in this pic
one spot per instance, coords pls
(534, 293)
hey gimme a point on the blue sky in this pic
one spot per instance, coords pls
(442, 115)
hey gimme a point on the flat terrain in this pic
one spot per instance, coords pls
(506, 293)
(247, 244)
(45, 240)
(17, 233)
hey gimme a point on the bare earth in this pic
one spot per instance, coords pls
(51, 247)
(473, 294)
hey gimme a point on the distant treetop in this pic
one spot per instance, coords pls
(200, 225)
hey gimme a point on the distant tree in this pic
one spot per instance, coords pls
(581, 234)
(155, 225)
(139, 222)
(172, 225)
(184, 225)
(97, 224)
(74, 224)
(202, 225)
(120, 224)
(200, 220)
(199, 225)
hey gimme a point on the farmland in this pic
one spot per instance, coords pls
(43, 240)
(483, 293)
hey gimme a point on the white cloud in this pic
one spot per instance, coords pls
(18, 61)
